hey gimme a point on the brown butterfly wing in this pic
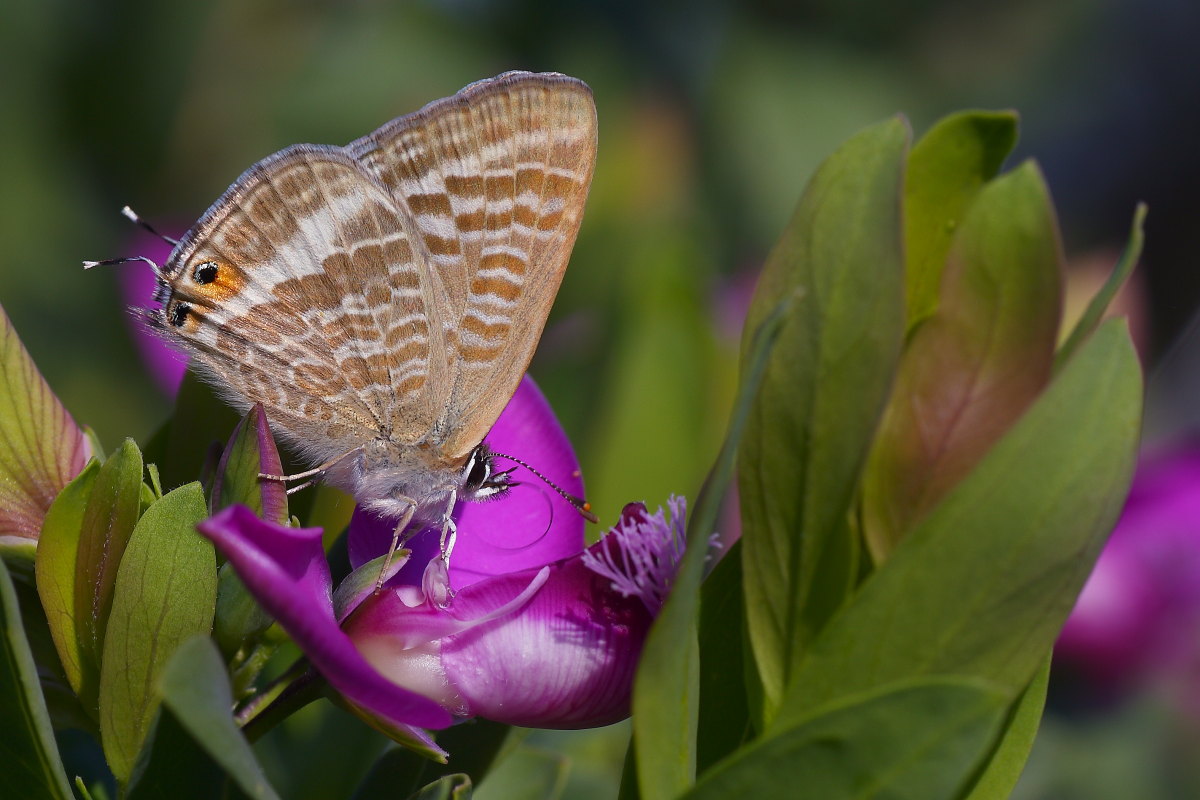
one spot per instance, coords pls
(319, 304)
(495, 179)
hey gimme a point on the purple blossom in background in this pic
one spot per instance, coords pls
(166, 366)
(1138, 618)
(536, 631)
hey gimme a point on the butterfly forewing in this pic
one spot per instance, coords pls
(394, 289)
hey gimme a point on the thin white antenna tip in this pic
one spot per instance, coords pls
(90, 264)
(129, 214)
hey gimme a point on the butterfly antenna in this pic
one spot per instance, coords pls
(133, 217)
(578, 503)
(109, 261)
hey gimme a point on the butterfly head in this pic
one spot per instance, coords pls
(480, 480)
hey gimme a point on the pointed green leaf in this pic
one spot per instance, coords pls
(58, 548)
(666, 705)
(1007, 761)
(947, 167)
(32, 767)
(912, 742)
(195, 689)
(984, 584)
(165, 592)
(1099, 304)
(824, 389)
(41, 447)
(974, 366)
(108, 520)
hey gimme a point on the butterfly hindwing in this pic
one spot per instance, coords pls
(495, 179)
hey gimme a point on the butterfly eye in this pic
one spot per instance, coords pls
(178, 314)
(479, 470)
(205, 272)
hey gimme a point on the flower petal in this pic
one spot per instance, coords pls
(41, 448)
(554, 647)
(565, 660)
(531, 526)
(286, 571)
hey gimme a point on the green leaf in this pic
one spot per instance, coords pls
(112, 511)
(449, 787)
(974, 366)
(58, 548)
(947, 167)
(666, 707)
(476, 746)
(195, 689)
(920, 741)
(526, 774)
(32, 767)
(724, 723)
(173, 765)
(984, 584)
(1099, 304)
(1007, 762)
(165, 593)
(41, 447)
(825, 386)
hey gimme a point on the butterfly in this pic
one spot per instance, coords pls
(383, 300)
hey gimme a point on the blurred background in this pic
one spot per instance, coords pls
(712, 115)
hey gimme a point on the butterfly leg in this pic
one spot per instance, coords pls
(313, 475)
(397, 533)
(449, 529)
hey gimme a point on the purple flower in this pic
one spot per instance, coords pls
(1137, 617)
(526, 627)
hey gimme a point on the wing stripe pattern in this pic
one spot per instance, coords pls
(393, 289)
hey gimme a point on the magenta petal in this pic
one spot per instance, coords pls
(529, 527)
(565, 660)
(286, 571)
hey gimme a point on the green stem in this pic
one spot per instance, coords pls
(284, 696)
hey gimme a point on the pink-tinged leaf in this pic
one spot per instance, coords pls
(973, 367)
(41, 447)
(251, 451)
